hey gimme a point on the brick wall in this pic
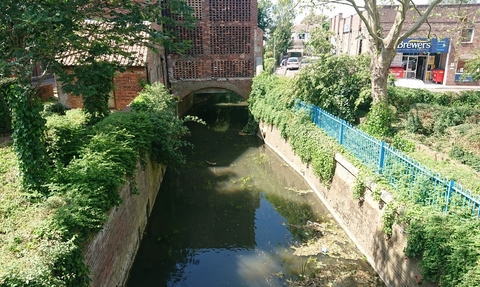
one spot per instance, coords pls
(127, 86)
(225, 45)
(111, 253)
(45, 92)
(362, 222)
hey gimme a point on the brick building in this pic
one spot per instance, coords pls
(435, 53)
(226, 49)
(145, 66)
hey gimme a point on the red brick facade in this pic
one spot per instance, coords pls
(225, 46)
(126, 88)
(446, 21)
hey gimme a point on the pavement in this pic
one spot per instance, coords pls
(419, 84)
(408, 83)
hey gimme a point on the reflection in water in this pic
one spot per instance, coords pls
(231, 216)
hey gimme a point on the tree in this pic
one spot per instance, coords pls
(281, 39)
(46, 31)
(384, 43)
(319, 42)
(264, 20)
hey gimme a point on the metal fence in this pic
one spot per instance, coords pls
(423, 185)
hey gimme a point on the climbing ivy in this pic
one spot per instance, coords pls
(93, 82)
(28, 133)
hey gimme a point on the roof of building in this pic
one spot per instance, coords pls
(299, 28)
(137, 54)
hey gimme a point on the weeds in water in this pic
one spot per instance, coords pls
(299, 191)
(244, 181)
(260, 159)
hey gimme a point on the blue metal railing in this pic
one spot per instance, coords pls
(424, 185)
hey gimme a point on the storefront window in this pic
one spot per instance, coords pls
(409, 64)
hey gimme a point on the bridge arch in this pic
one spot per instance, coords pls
(242, 87)
(186, 90)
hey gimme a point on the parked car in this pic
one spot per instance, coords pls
(293, 63)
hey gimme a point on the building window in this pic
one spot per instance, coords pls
(467, 35)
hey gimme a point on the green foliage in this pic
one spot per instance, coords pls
(252, 125)
(465, 157)
(319, 42)
(49, 31)
(271, 101)
(269, 65)
(450, 117)
(65, 135)
(90, 166)
(402, 144)
(388, 218)
(93, 82)
(403, 98)
(158, 103)
(414, 123)
(53, 108)
(337, 84)
(358, 189)
(28, 127)
(379, 121)
(449, 248)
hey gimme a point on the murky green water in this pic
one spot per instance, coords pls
(233, 215)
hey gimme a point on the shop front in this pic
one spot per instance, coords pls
(421, 58)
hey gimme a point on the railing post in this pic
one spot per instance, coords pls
(381, 157)
(448, 195)
(340, 136)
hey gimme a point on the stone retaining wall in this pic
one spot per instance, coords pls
(111, 253)
(362, 222)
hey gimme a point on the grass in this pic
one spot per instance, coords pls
(20, 218)
(434, 150)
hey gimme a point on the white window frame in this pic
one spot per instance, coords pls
(465, 33)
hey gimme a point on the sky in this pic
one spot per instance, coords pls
(345, 10)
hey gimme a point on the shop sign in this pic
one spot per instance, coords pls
(424, 45)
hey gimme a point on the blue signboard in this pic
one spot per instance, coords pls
(424, 45)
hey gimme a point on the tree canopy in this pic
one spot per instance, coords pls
(46, 31)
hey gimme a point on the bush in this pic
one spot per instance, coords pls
(448, 247)
(90, 166)
(379, 121)
(65, 135)
(339, 85)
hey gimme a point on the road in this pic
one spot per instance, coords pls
(284, 72)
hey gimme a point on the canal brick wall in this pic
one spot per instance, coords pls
(110, 254)
(362, 222)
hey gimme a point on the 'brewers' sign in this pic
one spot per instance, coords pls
(423, 45)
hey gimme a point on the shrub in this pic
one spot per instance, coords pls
(339, 85)
(379, 121)
(65, 135)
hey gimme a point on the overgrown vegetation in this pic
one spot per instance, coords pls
(444, 123)
(272, 101)
(339, 85)
(89, 165)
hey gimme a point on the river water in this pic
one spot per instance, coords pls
(237, 215)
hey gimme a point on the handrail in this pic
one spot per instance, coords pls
(434, 189)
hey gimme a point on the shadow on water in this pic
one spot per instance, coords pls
(232, 214)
